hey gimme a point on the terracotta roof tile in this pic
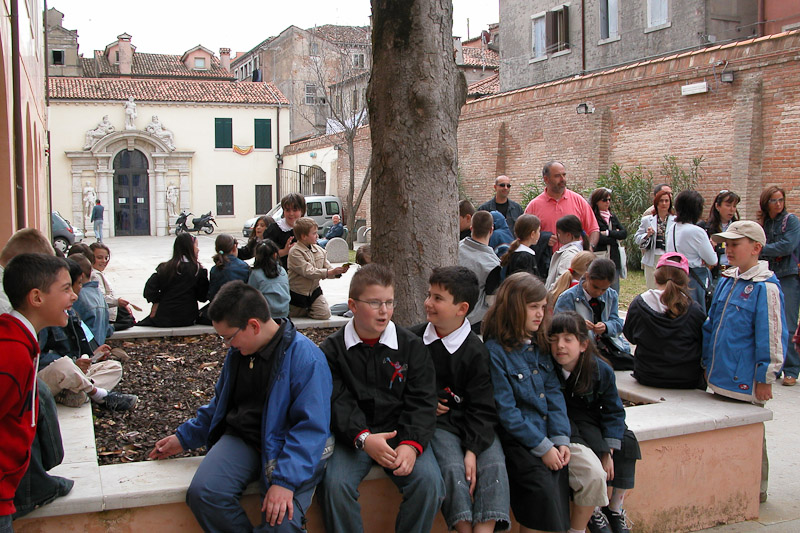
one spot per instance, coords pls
(156, 65)
(481, 57)
(485, 87)
(165, 90)
(344, 34)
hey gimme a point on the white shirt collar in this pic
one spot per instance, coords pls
(575, 244)
(283, 225)
(523, 248)
(19, 316)
(453, 341)
(388, 337)
(566, 373)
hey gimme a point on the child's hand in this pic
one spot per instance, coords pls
(105, 350)
(589, 324)
(552, 459)
(286, 247)
(763, 392)
(599, 328)
(553, 240)
(565, 454)
(471, 469)
(376, 447)
(607, 460)
(406, 457)
(83, 364)
(441, 408)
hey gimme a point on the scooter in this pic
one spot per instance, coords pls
(204, 223)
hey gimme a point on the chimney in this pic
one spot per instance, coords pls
(125, 53)
(225, 59)
(459, 50)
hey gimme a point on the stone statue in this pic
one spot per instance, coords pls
(103, 128)
(130, 114)
(89, 197)
(172, 200)
(155, 128)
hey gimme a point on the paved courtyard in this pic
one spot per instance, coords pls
(133, 260)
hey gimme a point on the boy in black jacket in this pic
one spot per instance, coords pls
(383, 410)
(464, 443)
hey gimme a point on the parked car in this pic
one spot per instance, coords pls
(64, 235)
(320, 208)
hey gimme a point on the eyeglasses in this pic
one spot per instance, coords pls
(606, 199)
(376, 304)
(505, 185)
(776, 200)
(228, 340)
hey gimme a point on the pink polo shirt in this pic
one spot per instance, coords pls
(571, 203)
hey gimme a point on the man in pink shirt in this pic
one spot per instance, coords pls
(557, 201)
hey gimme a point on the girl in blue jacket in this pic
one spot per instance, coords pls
(534, 427)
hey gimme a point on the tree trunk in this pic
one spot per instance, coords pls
(415, 95)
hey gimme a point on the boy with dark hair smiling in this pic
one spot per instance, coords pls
(384, 406)
(464, 443)
(269, 420)
(40, 291)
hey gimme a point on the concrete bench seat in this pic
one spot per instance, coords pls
(685, 436)
(147, 332)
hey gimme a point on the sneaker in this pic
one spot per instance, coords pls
(117, 401)
(71, 398)
(598, 523)
(619, 522)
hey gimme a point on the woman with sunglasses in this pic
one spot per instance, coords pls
(611, 231)
(723, 211)
(783, 237)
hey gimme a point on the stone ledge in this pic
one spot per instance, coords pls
(148, 332)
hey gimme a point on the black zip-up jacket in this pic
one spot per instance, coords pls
(381, 390)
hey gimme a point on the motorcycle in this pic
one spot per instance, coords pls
(204, 223)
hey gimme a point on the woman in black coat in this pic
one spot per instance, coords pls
(611, 231)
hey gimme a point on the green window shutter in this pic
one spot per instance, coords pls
(223, 133)
(263, 127)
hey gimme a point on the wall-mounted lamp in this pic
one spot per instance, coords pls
(313, 154)
(727, 77)
(279, 158)
(584, 109)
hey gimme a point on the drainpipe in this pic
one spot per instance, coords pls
(583, 36)
(19, 137)
(49, 167)
(761, 18)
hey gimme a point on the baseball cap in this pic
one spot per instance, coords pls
(674, 259)
(742, 228)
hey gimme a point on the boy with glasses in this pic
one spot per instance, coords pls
(384, 410)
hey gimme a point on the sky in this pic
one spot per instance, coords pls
(174, 26)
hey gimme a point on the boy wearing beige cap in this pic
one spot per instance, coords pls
(745, 335)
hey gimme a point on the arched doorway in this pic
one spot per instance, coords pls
(131, 194)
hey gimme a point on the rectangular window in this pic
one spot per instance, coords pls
(538, 37)
(199, 62)
(332, 208)
(263, 127)
(557, 22)
(358, 60)
(223, 133)
(314, 49)
(314, 209)
(657, 13)
(58, 57)
(311, 94)
(263, 199)
(224, 200)
(609, 19)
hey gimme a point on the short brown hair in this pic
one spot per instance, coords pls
(83, 262)
(506, 318)
(465, 208)
(371, 274)
(482, 224)
(296, 200)
(26, 241)
(83, 249)
(303, 227)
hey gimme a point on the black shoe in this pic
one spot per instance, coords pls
(619, 522)
(598, 523)
(117, 401)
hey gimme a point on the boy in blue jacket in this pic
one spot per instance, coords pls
(745, 335)
(269, 420)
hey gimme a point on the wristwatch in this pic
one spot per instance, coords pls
(361, 440)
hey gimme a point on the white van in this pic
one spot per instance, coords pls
(320, 208)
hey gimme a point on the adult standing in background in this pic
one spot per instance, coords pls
(509, 209)
(557, 201)
(97, 220)
(783, 238)
(611, 231)
(651, 235)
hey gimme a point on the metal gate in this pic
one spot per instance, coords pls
(307, 181)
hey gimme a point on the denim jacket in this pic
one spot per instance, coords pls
(783, 239)
(574, 299)
(528, 395)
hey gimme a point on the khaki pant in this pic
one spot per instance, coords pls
(64, 374)
(319, 310)
(587, 479)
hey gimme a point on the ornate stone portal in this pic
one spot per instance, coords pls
(104, 127)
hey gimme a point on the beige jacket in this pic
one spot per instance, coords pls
(307, 265)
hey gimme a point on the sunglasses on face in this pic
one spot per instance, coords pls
(504, 185)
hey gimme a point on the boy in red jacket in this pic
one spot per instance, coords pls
(40, 291)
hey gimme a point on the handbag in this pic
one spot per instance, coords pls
(623, 261)
(616, 357)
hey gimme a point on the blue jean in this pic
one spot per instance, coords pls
(491, 489)
(696, 291)
(422, 490)
(217, 487)
(790, 285)
(98, 230)
(5, 524)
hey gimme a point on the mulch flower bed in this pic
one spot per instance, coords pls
(172, 376)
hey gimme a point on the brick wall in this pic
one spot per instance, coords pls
(746, 131)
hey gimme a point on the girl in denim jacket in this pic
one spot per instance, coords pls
(534, 427)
